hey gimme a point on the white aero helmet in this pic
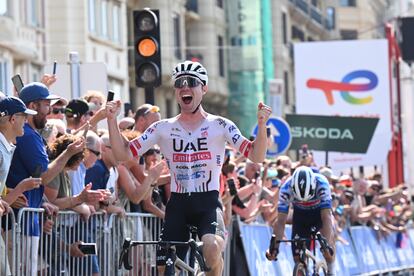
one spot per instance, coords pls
(303, 183)
(190, 68)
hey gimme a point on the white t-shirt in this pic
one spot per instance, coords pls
(194, 157)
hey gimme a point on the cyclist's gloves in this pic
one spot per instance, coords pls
(273, 251)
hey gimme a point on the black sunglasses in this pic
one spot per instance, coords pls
(58, 110)
(189, 81)
(97, 153)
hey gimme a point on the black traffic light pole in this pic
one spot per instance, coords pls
(149, 95)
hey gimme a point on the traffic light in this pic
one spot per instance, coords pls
(147, 48)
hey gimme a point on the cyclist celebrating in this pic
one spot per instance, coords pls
(193, 146)
(310, 196)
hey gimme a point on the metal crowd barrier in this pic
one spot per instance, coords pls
(7, 223)
(28, 250)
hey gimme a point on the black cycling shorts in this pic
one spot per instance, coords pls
(202, 210)
(302, 222)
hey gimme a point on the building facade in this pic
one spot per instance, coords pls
(22, 41)
(358, 19)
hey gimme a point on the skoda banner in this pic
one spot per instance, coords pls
(332, 133)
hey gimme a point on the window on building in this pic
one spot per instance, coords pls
(92, 17)
(220, 44)
(286, 84)
(315, 3)
(4, 79)
(284, 28)
(330, 18)
(35, 72)
(34, 10)
(177, 36)
(348, 3)
(104, 19)
(349, 34)
(220, 3)
(116, 26)
(297, 34)
(5, 7)
(192, 5)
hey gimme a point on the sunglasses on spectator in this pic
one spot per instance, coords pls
(97, 153)
(153, 109)
(58, 110)
(189, 81)
(376, 188)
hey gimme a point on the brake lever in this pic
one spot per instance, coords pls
(324, 244)
(124, 256)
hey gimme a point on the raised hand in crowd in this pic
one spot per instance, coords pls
(113, 109)
(4, 207)
(92, 196)
(48, 80)
(155, 171)
(76, 146)
(20, 202)
(26, 184)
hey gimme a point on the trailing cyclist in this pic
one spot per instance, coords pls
(192, 144)
(310, 195)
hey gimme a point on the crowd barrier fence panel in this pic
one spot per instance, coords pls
(364, 254)
(53, 254)
(346, 261)
(7, 225)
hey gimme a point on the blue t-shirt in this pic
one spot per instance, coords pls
(98, 174)
(29, 154)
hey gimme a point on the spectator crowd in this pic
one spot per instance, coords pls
(54, 156)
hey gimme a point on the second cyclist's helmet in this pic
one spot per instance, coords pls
(303, 183)
(190, 68)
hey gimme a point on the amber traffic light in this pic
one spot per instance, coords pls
(147, 51)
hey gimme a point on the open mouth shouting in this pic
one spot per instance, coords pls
(187, 99)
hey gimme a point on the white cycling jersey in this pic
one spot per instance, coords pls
(194, 157)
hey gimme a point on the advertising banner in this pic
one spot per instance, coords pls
(346, 78)
(331, 133)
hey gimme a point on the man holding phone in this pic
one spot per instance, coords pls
(193, 145)
(30, 152)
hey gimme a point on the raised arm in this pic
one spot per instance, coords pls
(258, 152)
(120, 145)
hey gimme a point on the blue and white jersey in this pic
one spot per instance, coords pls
(322, 198)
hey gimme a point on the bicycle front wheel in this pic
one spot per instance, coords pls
(321, 269)
(300, 269)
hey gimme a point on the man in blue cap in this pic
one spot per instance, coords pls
(13, 114)
(30, 160)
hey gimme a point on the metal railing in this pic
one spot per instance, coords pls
(28, 250)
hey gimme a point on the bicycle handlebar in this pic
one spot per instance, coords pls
(128, 243)
(322, 241)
